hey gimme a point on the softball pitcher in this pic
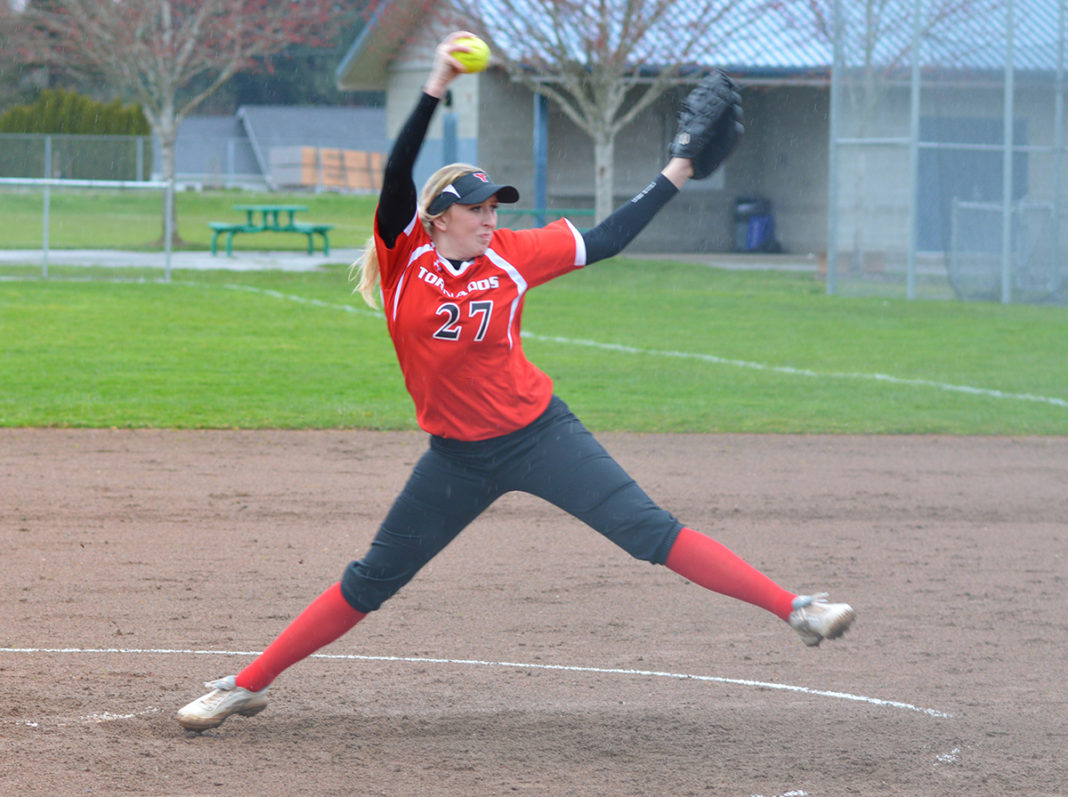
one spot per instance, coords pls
(452, 287)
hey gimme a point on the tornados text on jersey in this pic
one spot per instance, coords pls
(455, 328)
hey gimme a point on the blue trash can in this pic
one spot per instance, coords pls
(754, 225)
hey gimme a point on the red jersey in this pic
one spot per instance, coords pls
(456, 329)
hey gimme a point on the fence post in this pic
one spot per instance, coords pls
(229, 181)
(541, 158)
(1007, 158)
(1058, 155)
(914, 153)
(168, 232)
(47, 205)
(954, 247)
(837, 27)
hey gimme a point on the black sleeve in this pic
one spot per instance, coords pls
(396, 203)
(613, 234)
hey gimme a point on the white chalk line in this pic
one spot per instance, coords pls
(952, 757)
(93, 719)
(289, 297)
(707, 358)
(874, 701)
(791, 371)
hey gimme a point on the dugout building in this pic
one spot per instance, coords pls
(919, 137)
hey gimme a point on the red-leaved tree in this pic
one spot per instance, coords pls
(169, 55)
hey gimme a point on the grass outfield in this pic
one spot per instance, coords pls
(632, 346)
(133, 219)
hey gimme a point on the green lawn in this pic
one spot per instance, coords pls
(133, 219)
(632, 345)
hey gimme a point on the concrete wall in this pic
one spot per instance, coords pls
(698, 220)
(874, 184)
(505, 130)
(783, 157)
(495, 118)
(405, 86)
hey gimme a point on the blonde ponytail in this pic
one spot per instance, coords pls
(364, 272)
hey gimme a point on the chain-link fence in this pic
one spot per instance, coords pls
(947, 150)
(76, 157)
(205, 161)
(201, 161)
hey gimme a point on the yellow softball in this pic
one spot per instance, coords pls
(477, 59)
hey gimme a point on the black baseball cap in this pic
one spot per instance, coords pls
(471, 189)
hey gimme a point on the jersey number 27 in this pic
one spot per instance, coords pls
(450, 330)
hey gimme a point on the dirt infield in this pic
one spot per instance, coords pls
(532, 656)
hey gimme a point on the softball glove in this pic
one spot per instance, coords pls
(710, 124)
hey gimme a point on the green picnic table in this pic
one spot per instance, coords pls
(269, 218)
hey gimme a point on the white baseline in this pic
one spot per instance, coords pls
(875, 701)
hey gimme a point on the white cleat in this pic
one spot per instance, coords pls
(816, 620)
(224, 699)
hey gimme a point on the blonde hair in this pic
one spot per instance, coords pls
(365, 271)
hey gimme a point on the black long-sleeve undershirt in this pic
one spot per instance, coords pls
(396, 204)
(397, 201)
(613, 234)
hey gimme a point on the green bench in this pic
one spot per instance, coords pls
(270, 222)
(311, 230)
(220, 227)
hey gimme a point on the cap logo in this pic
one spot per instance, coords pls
(450, 189)
(481, 176)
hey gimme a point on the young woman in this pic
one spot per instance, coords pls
(452, 287)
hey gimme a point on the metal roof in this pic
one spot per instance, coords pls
(316, 126)
(785, 39)
(242, 143)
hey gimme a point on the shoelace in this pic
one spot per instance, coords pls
(224, 684)
(801, 601)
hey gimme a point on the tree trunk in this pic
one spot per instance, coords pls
(167, 132)
(604, 148)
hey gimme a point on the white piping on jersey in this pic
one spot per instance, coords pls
(400, 282)
(520, 284)
(416, 254)
(580, 245)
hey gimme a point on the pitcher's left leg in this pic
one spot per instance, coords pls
(574, 471)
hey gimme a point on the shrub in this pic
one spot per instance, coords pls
(90, 139)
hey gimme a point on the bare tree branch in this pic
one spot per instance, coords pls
(169, 54)
(602, 63)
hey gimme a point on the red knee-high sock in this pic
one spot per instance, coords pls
(714, 566)
(327, 618)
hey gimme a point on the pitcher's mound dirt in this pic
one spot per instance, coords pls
(532, 656)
